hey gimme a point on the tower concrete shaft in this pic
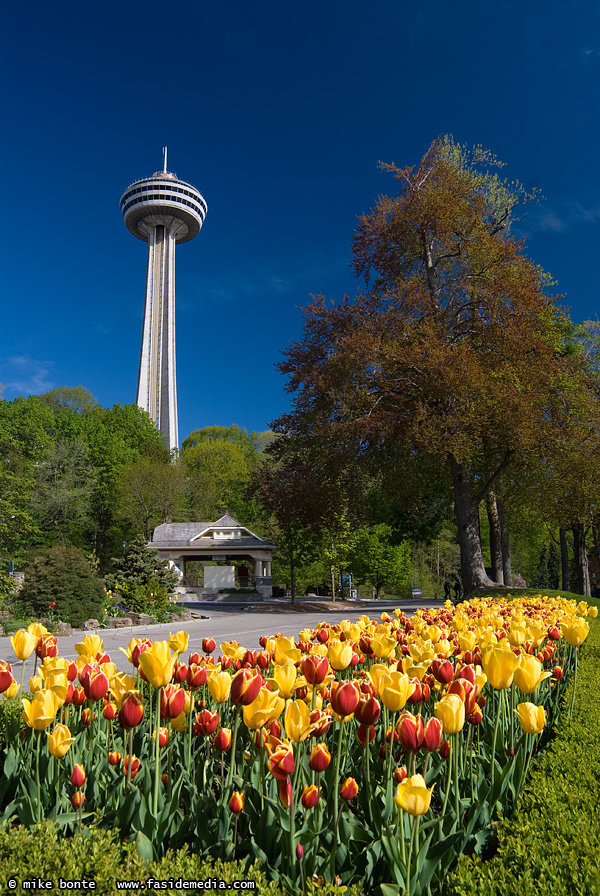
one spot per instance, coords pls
(157, 378)
(163, 211)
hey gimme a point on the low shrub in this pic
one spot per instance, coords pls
(551, 843)
(96, 855)
(62, 583)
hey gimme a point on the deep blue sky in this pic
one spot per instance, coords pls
(278, 113)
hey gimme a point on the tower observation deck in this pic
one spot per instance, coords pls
(161, 210)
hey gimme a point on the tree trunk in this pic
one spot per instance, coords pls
(564, 561)
(507, 577)
(495, 538)
(333, 583)
(581, 560)
(466, 510)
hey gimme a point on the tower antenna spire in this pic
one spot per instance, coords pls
(165, 159)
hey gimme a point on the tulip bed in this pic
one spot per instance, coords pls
(551, 841)
(376, 751)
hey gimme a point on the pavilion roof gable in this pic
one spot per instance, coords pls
(223, 532)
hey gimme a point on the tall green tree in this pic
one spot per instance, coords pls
(377, 561)
(218, 463)
(149, 492)
(64, 487)
(453, 352)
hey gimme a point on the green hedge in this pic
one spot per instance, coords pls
(11, 710)
(551, 844)
(96, 855)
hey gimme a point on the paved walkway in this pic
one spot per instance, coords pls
(225, 622)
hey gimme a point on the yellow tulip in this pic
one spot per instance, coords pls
(592, 612)
(219, 685)
(467, 641)
(36, 683)
(120, 684)
(529, 674)
(130, 648)
(158, 663)
(394, 690)
(233, 650)
(179, 723)
(383, 647)
(12, 690)
(480, 678)
(23, 643)
(416, 671)
(37, 629)
(179, 642)
(376, 672)
(576, 631)
(517, 634)
(432, 633)
(39, 713)
(499, 665)
(531, 717)
(340, 655)
(267, 707)
(536, 634)
(297, 721)
(284, 679)
(60, 741)
(444, 647)
(58, 683)
(285, 651)
(54, 665)
(90, 646)
(354, 632)
(450, 710)
(413, 796)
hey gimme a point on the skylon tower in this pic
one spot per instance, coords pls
(161, 210)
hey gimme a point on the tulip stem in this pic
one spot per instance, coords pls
(391, 748)
(56, 772)
(512, 718)
(37, 768)
(447, 792)
(336, 785)
(493, 761)
(456, 778)
(576, 650)
(368, 772)
(402, 838)
(189, 737)
(157, 756)
(236, 722)
(130, 750)
(261, 762)
(292, 810)
(415, 826)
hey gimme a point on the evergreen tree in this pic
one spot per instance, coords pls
(140, 565)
